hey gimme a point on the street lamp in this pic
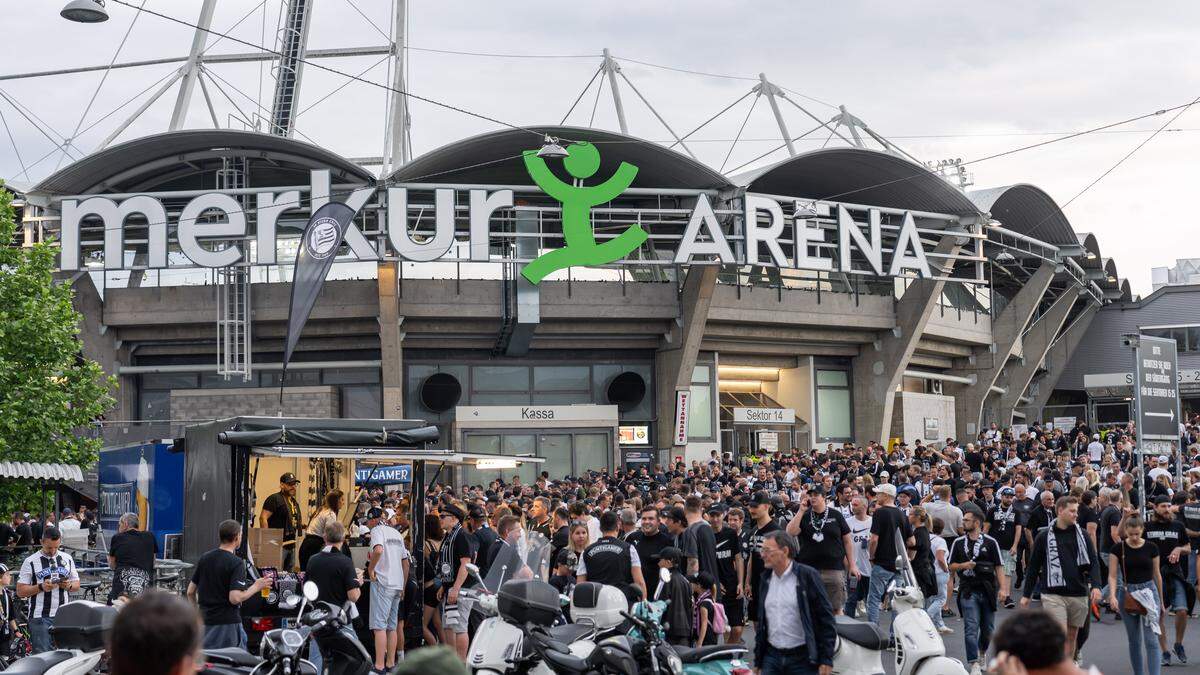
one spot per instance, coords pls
(1005, 258)
(85, 11)
(551, 148)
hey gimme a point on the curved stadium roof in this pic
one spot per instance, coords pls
(495, 158)
(175, 159)
(1028, 210)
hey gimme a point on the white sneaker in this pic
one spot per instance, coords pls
(945, 630)
(975, 669)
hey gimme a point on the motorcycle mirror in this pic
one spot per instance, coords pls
(664, 575)
(472, 568)
(311, 591)
(289, 602)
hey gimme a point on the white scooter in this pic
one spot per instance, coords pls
(500, 639)
(919, 647)
(80, 631)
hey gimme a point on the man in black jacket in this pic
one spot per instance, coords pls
(795, 627)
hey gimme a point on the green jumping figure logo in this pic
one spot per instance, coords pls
(577, 202)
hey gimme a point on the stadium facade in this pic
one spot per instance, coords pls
(841, 294)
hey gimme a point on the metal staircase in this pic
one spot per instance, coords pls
(292, 44)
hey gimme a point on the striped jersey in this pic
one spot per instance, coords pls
(37, 568)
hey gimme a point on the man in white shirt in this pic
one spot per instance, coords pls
(46, 579)
(69, 521)
(1160, 469)
(792, 636)
(1095, 451)
(387, 569)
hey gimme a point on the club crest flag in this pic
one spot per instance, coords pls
(318, 247)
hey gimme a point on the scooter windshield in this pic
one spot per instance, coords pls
(528, 557)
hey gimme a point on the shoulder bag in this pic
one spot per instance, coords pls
(1129, 605)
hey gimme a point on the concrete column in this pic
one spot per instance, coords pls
(390, 351)
(985, 366)
(1017, 375)
(676, 359)
(1056, 362)
(879, 368)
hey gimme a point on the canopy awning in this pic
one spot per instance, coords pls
(40, 471)
(327, 434)
(393, 455)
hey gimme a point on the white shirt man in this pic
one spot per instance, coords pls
(389, 570)
(68, 521)
(1095, 450)
(1160, 470)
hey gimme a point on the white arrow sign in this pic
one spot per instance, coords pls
(1170, 415)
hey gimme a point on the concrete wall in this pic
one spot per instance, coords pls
(915, 407)
(209, 404)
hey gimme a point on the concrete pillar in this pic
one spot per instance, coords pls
(1056, 362)
(879, 367)
(390, 351)
(676, 359)
(1007, 328)
(1017, 375)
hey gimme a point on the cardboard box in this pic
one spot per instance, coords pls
(266, 546)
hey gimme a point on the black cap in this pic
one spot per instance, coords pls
(717, 509)
(563, 558)
(476, 511)
(759, 498)
(289, 478)
(671, 554)
(452, 510)
(374, 513)
(1160, 499)
(703, 579)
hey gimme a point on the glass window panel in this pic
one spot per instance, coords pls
(561, 378)
(1193, 333)
(350, 376)
(699, 424)
(515, 398)
(561, 398)
(833, 413)
(169, 381)
(521, 444)
(500, 378)
(832, 378)
(700, 374)
(362, 401)
(592, 452)
(156, 405)
(556, 448)
(482, 444)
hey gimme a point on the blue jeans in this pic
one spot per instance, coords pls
(856, 589)
(224, 635)
(39, 634)
(775, 663)
(978, 618)
(936, 603)
(1142, 639)
(314, 653)
(880, 580)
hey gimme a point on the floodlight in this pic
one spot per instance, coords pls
(551, 148)
(85, 11)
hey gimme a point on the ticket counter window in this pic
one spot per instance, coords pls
(565, 454)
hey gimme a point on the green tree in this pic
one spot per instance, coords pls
(49, 392)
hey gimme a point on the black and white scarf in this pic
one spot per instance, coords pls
(1054, 573)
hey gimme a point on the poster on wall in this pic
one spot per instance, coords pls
(682, 398)
(1018, 429)
(932, 428)
(768, 441)
(1064, 423)
(634, 435)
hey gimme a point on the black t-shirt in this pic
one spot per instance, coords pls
(333, 573)
(649, 546)
(285, 514)
(729, 549)
(1139, 566)
(830, 552)
(1110, 517)
(218, 572)
(754, 551)
(884, 523)
(981, 550)
(706, 546)
(975, 461)
(24, 535)
(7, 534)
(1167, 536)
(1190, 514)
(685, 541)
(1025, 508)
(134, 548)
(1088, 515)
(1002, 525)
(455, 547)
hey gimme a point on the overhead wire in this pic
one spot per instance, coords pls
(103, 78)
(369, 20)
(345, 84)
(30, 116)
(16, 150)
(320, 66)
(739, 133)
(581, 94)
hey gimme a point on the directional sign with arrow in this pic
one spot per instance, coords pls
(1156, 387)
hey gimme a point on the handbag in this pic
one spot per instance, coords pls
(1129, 605)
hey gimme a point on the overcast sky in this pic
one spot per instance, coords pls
(942, 80)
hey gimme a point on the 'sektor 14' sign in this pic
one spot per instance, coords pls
(212, 229)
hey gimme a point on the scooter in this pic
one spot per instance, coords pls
(282, 650)
(80, 631)
(919, 647)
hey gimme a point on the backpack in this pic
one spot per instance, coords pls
(720, 622)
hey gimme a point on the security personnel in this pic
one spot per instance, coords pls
(610, 560)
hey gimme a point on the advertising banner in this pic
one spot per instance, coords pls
(682, 398)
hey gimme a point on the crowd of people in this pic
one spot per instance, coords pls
(1046, 516)
(779, 544)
